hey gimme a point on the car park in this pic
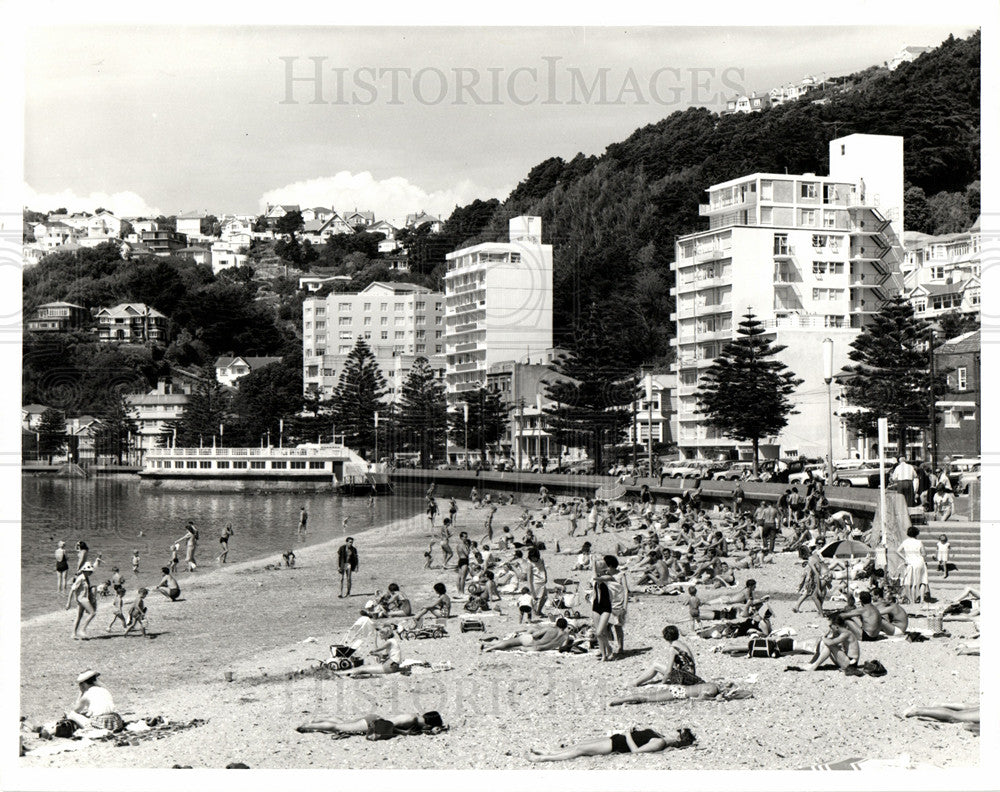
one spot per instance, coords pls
(962, 472)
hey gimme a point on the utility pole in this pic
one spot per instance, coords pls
(933, 402)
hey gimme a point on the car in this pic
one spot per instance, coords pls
(858, 477)
(582, 467)
(692, 468)
(962, 472)
(815, 471)
(738, 471)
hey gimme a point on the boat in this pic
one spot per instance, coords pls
(328, 463)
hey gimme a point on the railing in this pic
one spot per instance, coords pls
(799, 320)
(170, 453)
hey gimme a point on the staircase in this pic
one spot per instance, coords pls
(964, 556)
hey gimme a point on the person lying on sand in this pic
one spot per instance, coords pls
(702, 690)
(542, 639)
(403, 723)
(946, 713)
(634, 741)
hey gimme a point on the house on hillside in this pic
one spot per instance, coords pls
(226, 255)
(141, 226)
(316, 231)
(906, 55)
(389, 244)
(130, 323)
(52, 234)
(317, 213)
(81, 437)
(421, 218)
(190, 225)
(359, 221)
(58, 317)
(238, 230)
(31, 415)
(163, 241)
(747, 104)
(196, 253)
(230, 369)
(275, 212)
(104, 225)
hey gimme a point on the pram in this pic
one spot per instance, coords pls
(566, 596)
(343, 656)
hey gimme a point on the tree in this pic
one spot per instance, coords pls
(890, 377)
(593, 391)
(487, 420)
(954, 323)
(266, 396)
(117, 428)
(51, 433)
(423, 410)
(290, 223)
(357, 398)
(745, 392)
(207, 408)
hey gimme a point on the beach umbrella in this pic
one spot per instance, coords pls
(845, 548)
(611, 492)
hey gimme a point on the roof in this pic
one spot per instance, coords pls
(320, 209)
(312, 226)
(131, 309)
(253, 362)
(32, 409)
(396, 288)
(191, 217)
(61, 305)
(916, 50)
(967, 342)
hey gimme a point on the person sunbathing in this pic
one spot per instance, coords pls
(946, 713)
(866, 621)
(634, 741)
(403, 723)
(542, 639)
(894, 615)
(700, 691)
(840, 644)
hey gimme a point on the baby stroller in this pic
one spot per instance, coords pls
(343, 656)
(566, 596)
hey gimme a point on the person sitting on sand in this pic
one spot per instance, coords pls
(866, 621)
(541, 639)
(94, 708)
(677, 666)
(289, 558)
(403, 723)
(657, 572)
(389, 656)
(168, 586)
(583, 558)
(396, 602)
(630, 550)
(441, 607)
(894, 615)
(840, 644)
(634, 741)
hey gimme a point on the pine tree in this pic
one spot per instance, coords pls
(423, 410)
(487, 420)
(594, 390)
(745, 392)
(357, 398)
(51, 433)
(206, 409)
(891, 376)
(117, 427)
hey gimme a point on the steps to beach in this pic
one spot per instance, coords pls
(964, 556)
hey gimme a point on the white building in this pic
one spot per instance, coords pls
(399, 321)
(226, 255)
(155, 413)
(906, 55)
(653, 410)
(812, 256)
(190, 225)
(499, 304)
(942, 273)
(228, 370)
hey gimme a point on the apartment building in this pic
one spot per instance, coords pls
(812, 256)
(652, 411)
(399, 321)
(155, 414)
(942, 273)
(498, 304)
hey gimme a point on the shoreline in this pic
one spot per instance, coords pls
(551, 698)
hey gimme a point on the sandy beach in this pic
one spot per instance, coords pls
(256, 622)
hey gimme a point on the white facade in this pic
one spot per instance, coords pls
(942, 273)
(653, 415)
(226, 255)
(499, 304)
(812, 258)
(155, 413)
(399, 321)
(189, 225)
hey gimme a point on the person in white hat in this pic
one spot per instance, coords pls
(85, 594)
(94, 707)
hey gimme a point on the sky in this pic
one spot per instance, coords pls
(151, 119)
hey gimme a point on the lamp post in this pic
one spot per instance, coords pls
(465, 414)
(828, 378)
(376, 437)
(649, 419)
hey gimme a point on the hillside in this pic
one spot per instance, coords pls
(614, 218)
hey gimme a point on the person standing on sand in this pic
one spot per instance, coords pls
(62, 566)
(224, 542)
(174, 560)
(347, 565)
(85, 595)
(303, 519)
(191, 535)
(81, 555)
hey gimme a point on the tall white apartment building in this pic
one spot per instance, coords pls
(498, 305)
(813, 257)
(399, 321)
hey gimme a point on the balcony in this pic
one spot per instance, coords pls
(784, 253)
(475, 364)
(472, 346)
(709, 255)
(704, 210)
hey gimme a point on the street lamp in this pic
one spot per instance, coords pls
(828, 378)
(465, 413)
(376, 437)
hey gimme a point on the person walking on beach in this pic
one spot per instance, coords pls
(82, 590)
(347, 565)
(62, 566)
(81, 555)
(303, 519)
(191, 535)
(224, 542)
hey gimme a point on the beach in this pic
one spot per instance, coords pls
(257, 622)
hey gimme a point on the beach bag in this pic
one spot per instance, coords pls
(874, 668)
(381, 729)
(763, 647)
(66, 727)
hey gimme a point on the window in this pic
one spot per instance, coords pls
(937, 272)
(421, 319)
(437, 306)
(383, 306)
(320, 351)
(437, 349)
(320, 325)
(383, 320)
(829, 220)
(399, 306)
(820, 240)
(951, 418)
(298, 464)
(368, 334)
(163, 464)
(421, 306)
(257, 464)
(438, 333)
(781, 244)
(317, 465)
(309, 325)
(833, 321)
(808, 190)
(437, 320)
(399, 321)
(345, 320)
(421, 348)
(239, 464)
(961, 378)
(328, 372)
(222, 464)
(385, 335)
(191, 464)
(809, 217)
(344, 306)
(279, 465)
(400, 334)
(828, 294)
(920, 305)
(345, 349)
(320, 310)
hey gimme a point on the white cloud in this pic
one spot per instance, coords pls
(122, 204)
(391, 199)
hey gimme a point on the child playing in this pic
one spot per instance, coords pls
(427, 555)
(943, 549)
(137, 614)
(524, 605)
(289, 558)
(135, 562)
(174, 549)
(117, 605)
(694, 607)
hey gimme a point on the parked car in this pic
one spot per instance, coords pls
(582, 467)
(737, 471)
(962, 472)
(858, 477)
(815, 471)
(693, 468)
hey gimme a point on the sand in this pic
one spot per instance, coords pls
(252, 621)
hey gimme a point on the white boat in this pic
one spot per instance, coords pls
(321, 463)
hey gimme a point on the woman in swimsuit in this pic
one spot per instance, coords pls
(397, 603)
(403, 723)
(538, 576)
(86, 599)
(677, 667)
(81, 555)
(62, 565)
(441, 607)
(634, 741)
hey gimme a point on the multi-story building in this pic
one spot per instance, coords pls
(942, 273)
(190, 225)
(163, 241)
(812, 256)
(227, 254)
(131, 323)
(499, 304)
(521, 385)
(960, 430)
(792, 91)
(653, 410)
(399, 321)
(58, 317)
(155, 413)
